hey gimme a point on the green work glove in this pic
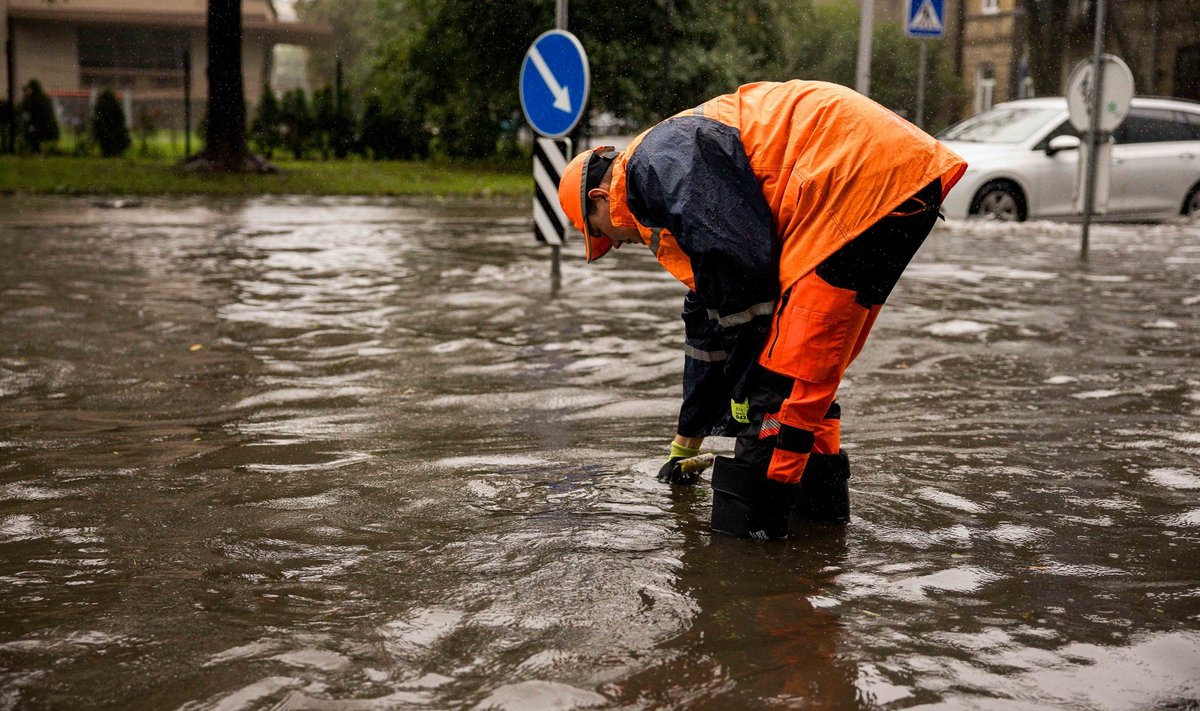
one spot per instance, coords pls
(670, 473)
(740, 410)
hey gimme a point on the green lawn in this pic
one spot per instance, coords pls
(161, 176)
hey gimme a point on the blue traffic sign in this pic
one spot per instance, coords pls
(926, 18)
(555, 79)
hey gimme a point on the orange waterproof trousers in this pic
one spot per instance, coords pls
(820, 327)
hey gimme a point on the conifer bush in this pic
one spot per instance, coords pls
(297, 121)
(267, 128)
(36, 115)
(108, 125)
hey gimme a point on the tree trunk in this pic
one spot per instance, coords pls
(1047, 22)
(225, 147)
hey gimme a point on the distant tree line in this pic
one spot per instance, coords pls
(443, 73)
(439, 77)
(327, 126)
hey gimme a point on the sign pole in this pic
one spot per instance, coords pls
(560, 23)
(1089, 195)
(921, 86)
(554, 82)
(187, 103)
(925, 19)
(11, 128)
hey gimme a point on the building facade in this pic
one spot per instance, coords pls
(75, 48)
(989, 43)
(1158, 39)
(994, 59)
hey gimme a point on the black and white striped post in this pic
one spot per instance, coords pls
(554, 82)
(550, 158)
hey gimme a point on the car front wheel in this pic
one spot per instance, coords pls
(999, 201)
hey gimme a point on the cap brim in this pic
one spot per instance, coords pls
(595, 247)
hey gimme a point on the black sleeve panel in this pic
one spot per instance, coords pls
(705, 408)
(691, 175)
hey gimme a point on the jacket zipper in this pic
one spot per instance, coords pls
(778, 317)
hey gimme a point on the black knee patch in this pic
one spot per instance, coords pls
(871, 264)
(794, 439)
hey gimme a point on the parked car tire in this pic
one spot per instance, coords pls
(999, 200)
(1191, 204)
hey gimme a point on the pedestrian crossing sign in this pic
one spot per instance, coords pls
(926, 18)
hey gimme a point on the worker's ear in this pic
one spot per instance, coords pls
(598, 194)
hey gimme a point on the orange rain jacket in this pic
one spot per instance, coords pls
(745, 194)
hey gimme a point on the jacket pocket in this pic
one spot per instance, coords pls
(813, 332)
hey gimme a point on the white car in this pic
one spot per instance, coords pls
(1023, 160)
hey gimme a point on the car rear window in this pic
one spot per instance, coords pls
(1193, 123)
(1002, 124)
(1154, 126)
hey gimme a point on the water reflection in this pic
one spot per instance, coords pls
(347, 454)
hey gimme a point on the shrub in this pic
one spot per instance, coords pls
(108, 125)
(297, 122)
(7, 118)
(267, 128)
(146, 124)
(36, 115)
(323, 118)
(389, 132)
(334, 122)
(341, 130)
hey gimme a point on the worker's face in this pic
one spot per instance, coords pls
(600, 221)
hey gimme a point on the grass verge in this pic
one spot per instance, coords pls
(156, 176)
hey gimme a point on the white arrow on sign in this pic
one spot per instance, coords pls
(562, 95)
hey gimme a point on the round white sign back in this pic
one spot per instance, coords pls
(1114, 104)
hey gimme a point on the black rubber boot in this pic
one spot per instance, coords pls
(747, 504)
(824, 489)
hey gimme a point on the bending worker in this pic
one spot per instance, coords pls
(789, 210)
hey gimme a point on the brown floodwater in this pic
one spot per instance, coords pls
(349, 454)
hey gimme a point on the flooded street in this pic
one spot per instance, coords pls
(347, 454)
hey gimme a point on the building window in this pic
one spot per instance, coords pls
(985, 88)
(989, 7)
(130, 57)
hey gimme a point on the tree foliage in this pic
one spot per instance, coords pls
(38, 123)
(450, 67)
(108, 125)
(1053, 34)
(391, 130)
(825, 47)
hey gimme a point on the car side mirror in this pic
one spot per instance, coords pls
(1063, 143)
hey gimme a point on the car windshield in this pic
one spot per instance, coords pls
(1002, 124)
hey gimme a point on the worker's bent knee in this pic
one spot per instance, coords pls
(792, 449)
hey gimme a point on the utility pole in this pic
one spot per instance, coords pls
(1089, 194)
(862, 76)
(11, 128)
